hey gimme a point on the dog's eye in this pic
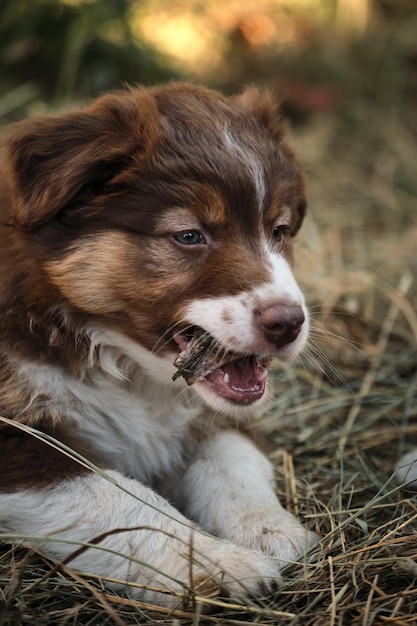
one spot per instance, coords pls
(190, 237)
(278, 233)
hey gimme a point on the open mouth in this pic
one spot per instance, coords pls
(238, 378)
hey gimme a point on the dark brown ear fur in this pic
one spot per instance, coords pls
(50, 161)
(53, 163)
(263, 106)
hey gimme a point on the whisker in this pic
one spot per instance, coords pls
(317, 331)
(159, 345)
(314, 355)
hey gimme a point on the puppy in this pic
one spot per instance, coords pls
(133, 233)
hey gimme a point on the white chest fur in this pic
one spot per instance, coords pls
(125, 405)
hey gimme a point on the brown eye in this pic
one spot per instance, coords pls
(189, 238)
(278, 233)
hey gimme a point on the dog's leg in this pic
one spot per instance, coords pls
(140, 539)
(229, 490)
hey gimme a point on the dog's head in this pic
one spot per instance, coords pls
(157, 213)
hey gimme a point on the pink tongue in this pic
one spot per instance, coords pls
(242, 381)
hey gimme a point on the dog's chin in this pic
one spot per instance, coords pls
(240, 383)
(227, 405)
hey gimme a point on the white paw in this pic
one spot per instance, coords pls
(206, 567)
(235, 571)
(406, 470)
(274, 532)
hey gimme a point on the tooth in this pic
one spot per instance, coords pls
(263, 375)
(226, 378)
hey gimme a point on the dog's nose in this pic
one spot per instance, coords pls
(281, 323)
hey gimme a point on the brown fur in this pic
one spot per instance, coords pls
(88, 200)
(43, 464)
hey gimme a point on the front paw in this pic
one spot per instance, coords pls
(276, 533)
(234, 571)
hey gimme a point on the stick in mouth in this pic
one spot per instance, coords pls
(201, 356)
(233, 376)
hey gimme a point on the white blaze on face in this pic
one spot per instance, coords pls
(232, 319)
(250, 161)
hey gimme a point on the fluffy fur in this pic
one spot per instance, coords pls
(124, 226)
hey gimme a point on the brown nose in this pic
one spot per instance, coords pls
(280, 323)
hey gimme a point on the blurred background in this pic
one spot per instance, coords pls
(320, 54)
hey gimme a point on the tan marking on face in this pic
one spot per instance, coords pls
(176, 220)
(213, 210)
(287, 198)
(88, 274)
(204, 207)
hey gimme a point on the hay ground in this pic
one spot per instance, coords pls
(342, 415)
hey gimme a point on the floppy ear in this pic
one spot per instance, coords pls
(263, 106)
(52, 161)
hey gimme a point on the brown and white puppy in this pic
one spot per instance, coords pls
(124, 227)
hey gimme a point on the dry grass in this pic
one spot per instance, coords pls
(342, 415)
